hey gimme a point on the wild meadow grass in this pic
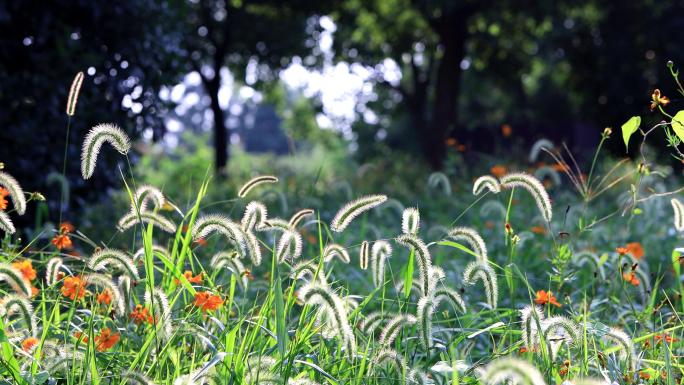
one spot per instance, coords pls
(526, 273)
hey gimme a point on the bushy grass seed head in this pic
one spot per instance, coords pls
(136, 378)
(159, 303)
(392, 357)
(627, 351)
(18, 304)
(106, 283)
(531, 318)
(255, 216)
(472, 237)
(451, 296)
(353, 209)
(103, 258)
(230, 261)
(534, 187)
(144, 195)
(145, 217)
(52, 270)
(380, 251)
(514, 370)
(439, 180)
(678, 209)
(364, 255)
(486, 182)
(423, 258)
(482, 271)
(16, 193)
(15, 279)
(393, 327)
(289, 246)
(254, 182)
(6, 224)
(98, 135)
(298, 216)
(410, 221)
(73, 94)
(211, 223)
(333, 250)
(537, 148)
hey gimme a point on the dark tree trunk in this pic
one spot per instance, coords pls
(220, 130)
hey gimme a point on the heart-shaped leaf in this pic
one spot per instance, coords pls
(629, 128)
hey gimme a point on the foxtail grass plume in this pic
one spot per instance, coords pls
(146, 217)
(473, 239)
(423, 258)
(156, 250)
(393, 327)
(52, 270)
(552, 325)
(16, 193)
(482, 271)
(104, 258)
(587, 257)
(316, 294)
(514, 370)
(277, 224)
(211, 223)
(12, 304)
(259, 371)
(289, 246)
(391, 357)
(73, 94)
(353, 209)
(230, 261)
(254, 182)
(621, 338)
(537, 148)
(144, 195)
(427, 307)
(308, 268)
(298, 216)
(678, 209)
(106, 283)
(534, 187)
(410, 221)
(372, 320)
(15, 279)
(531, 318)
(437, 179)
(136, 378)
(451, 296)
(159, 303)
(255, 216)
(101, 133)
(364, 255)
(6, 224)
(253, 247)
(380, 251)
(333, 250)
(486, 182)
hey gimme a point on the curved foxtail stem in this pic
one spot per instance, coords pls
(473, 239)
(534, 187)
(482, 271)
(98, 135)
(423, 258)
(380, 251)
(353, 209)
(73, 93)
(486, 182)
(410, 221)
(254, 182)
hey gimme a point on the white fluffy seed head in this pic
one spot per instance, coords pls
(101, 133)
(393, 327)
(254, 182)
(626, 346)
(159, 303)
(52, 270)
(534, 187)
(289, 246)
(16, 193)
(425, 310)
(15, 279)
(333, 250)
(380, 251)
(136, 378)
(298, 216)
(144, 195)
(18, 304)
(145, 217)
(211, 223)
(73, 94)
(104, 258)
(537, 147)
(410, 221)
(437, 179)
(551, 326)
(531, 318)
(364, 255)
(423, 258)
(353, 209)
(473, 239)
(392, 357)
(106, 283)
(511, 369)
(486, 182)
(678, 209)
(482, 271)
(6, 224)
(230, 261)
(255, 216)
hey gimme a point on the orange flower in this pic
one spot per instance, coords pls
(188, 275)
(248, 274)
(506, 130)
(658, 100)
(644, 375)
(66, 228)
(73, 287)
(635, 249)
(105, 297)
(631, 278)
(667, 338)
(26, 268)
(201, 242)
(34, 291)
(498, 171)
(560, 167)
(140, 315)
(29, 343)
(621, 250)
(538, 230)
(106, 340)
(3, 201)
(62, 241)
(207, 301)
(544, 297)
(461, 148)
(451, 142)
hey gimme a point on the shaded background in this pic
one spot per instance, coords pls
(370, 78)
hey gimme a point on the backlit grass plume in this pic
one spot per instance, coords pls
(482, 271)
(621, 338)
(308, 271)
(136, 378)
(211, 223)
(514, 370)
(451, 296)
(6, 224)
(486, 182)
(18, 304)
(537, 148)
(427, 306)
(15, 279)
(98, 135)
(252, 183)
(316, 294)
(105, 258)
(52, 270)
(364, 255)
(161, 310)
(289, 246)
(145, 217)
(372, 320)
(437, 179)
(534, 187)
(333, 250)
(353, 209)
(255, 216)
(531, 318)
(298, 216)
(73, 94)
(678, 209)
(16, 193)
(391, 357)
(230, 261)
(393, 327)
(380, 251)
(423, 258)
(106, 283)
(410, 221)
(473, 239)
(144, 195)
(550, 328)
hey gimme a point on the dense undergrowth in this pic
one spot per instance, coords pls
(539, 270)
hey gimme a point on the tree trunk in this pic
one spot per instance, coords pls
(220, 130)
(452, 29)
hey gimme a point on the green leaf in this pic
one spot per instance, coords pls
(408, 277)
(678, 124)
(629, 128)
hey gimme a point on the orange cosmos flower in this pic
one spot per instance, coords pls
(538, 230)
(658, 100)
(201, 242)
(498, 171)
(26, 268)
(544, 297)
(635, 249)
(188, 275)
(506, 130)
(631, 278)
(66, 228)
(62, 241)
(105, 297)
(73, 287)
(207, 301)
(622, 250)
(140, 315)
(106, 340)
(29, 343)
(3, 201)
